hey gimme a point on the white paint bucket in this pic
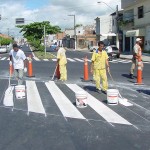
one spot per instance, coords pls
(112, 96)
(20, 91)
(81, 99)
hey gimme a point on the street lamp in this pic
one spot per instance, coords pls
(107, 5)
(74, 30)
(117, 28)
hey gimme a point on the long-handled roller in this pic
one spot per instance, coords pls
(8, 97)
(54, 72)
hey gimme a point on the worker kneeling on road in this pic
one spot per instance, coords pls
(62, 61)
(18, 59)
(99, 62)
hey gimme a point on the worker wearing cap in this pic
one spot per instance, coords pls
(99, 65)
(62, 61)
(137, 53)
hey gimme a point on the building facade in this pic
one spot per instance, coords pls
(135, 23)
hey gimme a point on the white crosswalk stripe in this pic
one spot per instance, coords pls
(35, 58)
(100, 108)
(33, 98)
(45, 59)
(72, 60)
(54, 59)
(80, 60)
(3, 58)
(64, 104)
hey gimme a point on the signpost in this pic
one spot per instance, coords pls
(20, 20)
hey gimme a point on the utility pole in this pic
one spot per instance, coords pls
(8, 31)
(117, 28)
(75, 32)
(45, 39)
(75, 36)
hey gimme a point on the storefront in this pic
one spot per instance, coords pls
(130, 37)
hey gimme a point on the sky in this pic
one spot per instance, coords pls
(55, 11)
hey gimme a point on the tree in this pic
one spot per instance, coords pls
(5, 41)
(78, 25)
(36, 30)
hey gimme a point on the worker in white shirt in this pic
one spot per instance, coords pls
(19, 61)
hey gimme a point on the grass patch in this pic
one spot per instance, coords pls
(41, 55)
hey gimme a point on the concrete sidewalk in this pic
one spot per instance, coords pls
(145, 57)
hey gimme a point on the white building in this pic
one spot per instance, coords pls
(104, 30)
(136, 23)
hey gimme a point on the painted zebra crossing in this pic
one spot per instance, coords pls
(51, 98)
(74, 60)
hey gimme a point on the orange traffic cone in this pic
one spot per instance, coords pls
(30, 70)
(139, 72)
(86, 72)
(11, 70)
(58, 72)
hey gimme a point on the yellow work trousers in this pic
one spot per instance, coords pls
(101, 74)
(63, 72)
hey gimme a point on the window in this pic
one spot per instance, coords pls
(140, 12)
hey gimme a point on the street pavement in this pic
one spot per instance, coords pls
(49, 119)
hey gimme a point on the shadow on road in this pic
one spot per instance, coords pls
(89, 88)
(144, 91)
(126, 76)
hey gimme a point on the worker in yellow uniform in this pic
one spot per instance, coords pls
(98, 67)
(62, 61)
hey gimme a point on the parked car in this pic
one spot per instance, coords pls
(53, 47)
(112, 51)
(3, 49)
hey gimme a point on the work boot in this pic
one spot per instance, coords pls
(104, 91)
(98, 90)
(131, 76)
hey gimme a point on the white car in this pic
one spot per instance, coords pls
(3, 49)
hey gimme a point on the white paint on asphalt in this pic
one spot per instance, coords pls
(54, 59)
(64, 104)
(146, 62)
(113, 61)
(80, 60)
(123, 61)
(33, 98)
(108, 114)
(71, 60)
(3, 58)
(45, 59)
(87, 60)
(35, 58)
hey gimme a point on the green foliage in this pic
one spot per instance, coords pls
(34, 32)
(78, 25)
(36, 29)
(5, 41)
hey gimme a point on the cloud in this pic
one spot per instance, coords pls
(56, 11)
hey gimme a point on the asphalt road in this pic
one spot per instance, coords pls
(98, 126)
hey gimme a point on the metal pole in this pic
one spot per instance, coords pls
(75, 32)
(117, 28)
(45, 40)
